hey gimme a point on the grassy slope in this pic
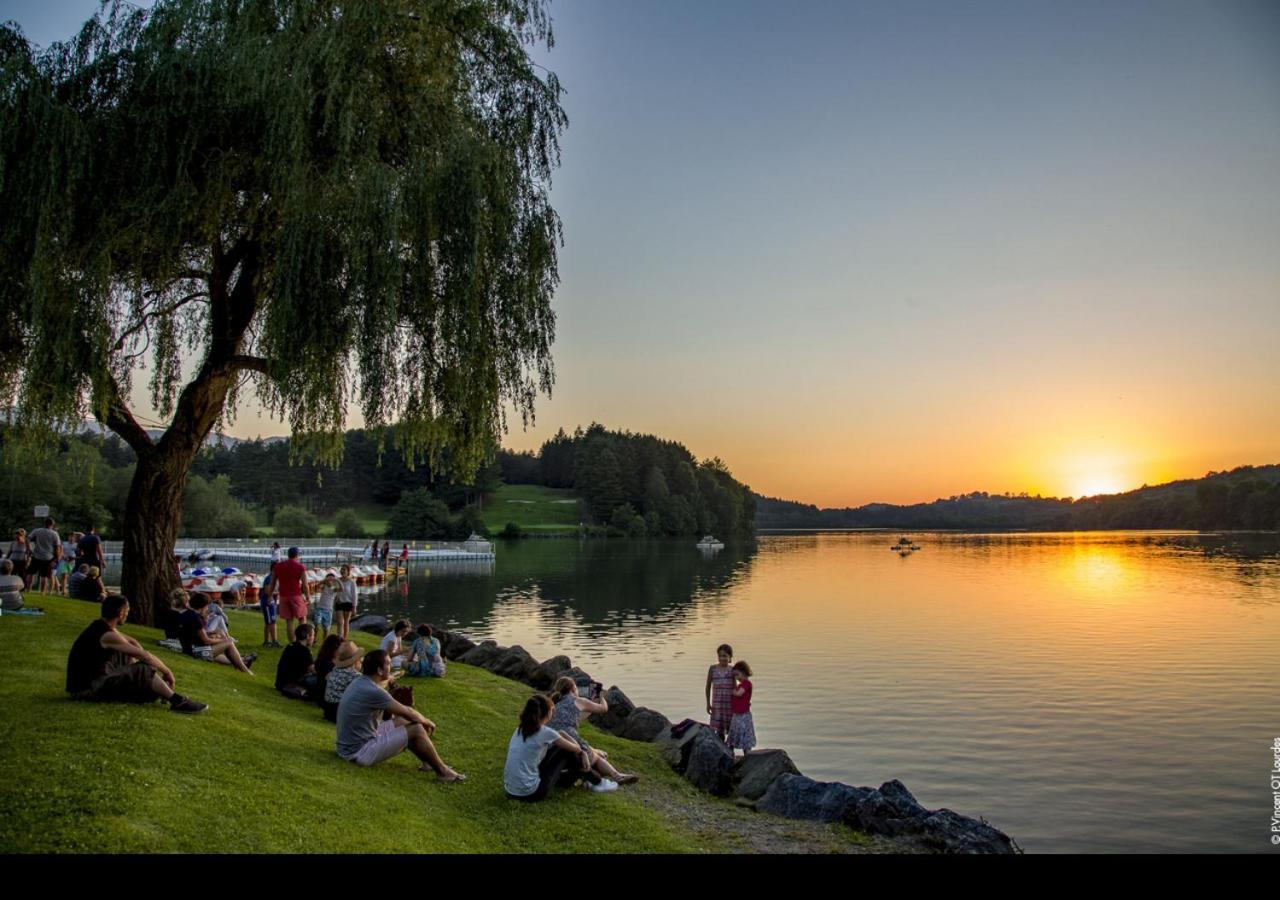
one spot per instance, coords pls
(532, 507)
(257, 773)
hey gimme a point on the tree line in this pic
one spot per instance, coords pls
(637, 484)
(1245, 498)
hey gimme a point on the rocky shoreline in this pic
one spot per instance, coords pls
(766, 780)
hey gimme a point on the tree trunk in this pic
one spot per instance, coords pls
(151, 529)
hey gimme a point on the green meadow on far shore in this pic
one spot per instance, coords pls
(257, 773)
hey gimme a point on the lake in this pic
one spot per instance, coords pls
(1103, 691)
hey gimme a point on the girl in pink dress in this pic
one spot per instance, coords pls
(720, 691)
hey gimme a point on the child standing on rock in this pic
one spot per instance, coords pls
(720, 691)
(742, 729)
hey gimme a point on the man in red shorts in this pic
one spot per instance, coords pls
(289, 583)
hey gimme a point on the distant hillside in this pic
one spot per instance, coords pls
(1244, 498)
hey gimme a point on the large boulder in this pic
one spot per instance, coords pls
(620, 706)
(889, 810)
(951, 832)
(453, 645)
(672, 746)
(643, 724)
(800, 797)
(481, 654)
(757, 770)
(545, 675)
(514, 662)
(371, 624)
(708, 763)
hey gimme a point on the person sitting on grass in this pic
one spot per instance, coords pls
(11, 587)
(569, 711)
(215, 624)
(540, 758)
(91, 587)
(324, 664)
(392, 646)
(295, 673)
(76, 579)
(346, 669)
(365, 739)
(105, 666)
(191, 625)
(425, 658)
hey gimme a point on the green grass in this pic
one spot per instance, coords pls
(258, 773)
(533, 508)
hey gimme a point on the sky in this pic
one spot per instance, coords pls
(896, 251)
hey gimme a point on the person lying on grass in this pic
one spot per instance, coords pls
(296, 673)
(105, 666)
(365, 739)
(191, 625)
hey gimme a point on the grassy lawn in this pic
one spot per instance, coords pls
(533, 508)
(257, 773)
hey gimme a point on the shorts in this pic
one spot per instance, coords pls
(322, 617)
(293, 607)
(343, 606)
(122, 684)
(270, 610)
(64, 567)
(41, 568)
(390, 740)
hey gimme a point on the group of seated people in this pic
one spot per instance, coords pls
(545, 751)
(424, 657)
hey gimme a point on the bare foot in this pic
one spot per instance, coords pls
(627, 779)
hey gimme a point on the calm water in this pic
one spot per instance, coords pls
(1090, 691)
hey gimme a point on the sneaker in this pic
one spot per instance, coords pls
(181, 704)
(249, 660)
(604, 787)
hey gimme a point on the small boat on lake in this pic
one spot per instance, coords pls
(710, 543)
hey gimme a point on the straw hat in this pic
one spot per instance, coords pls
(348, 655)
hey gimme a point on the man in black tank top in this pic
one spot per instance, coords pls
(105, 666)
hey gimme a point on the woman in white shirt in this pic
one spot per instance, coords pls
(540, 758)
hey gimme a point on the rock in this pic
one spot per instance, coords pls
(799, 797)
(708, 763)
(514, 662)
(545, 675)
(480, 654)
(620, 706)
(757, 770)
(453, 645)
(643, 724)
(372, 624)
(951, 832)
(890, 810)
(672, 748)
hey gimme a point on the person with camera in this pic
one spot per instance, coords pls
(569, 710)
(540, 759)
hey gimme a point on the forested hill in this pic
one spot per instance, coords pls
(638, 483)
(1244, 498)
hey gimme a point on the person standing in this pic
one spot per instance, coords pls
(89, 550)
(46, 547)
(20, 555)
(67, 562)
(386, 552)
(720, 685)
(289, 583)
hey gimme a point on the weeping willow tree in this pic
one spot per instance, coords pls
(328, 203)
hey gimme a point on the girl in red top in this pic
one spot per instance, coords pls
(742, 730)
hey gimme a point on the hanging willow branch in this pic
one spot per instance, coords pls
(330, 197)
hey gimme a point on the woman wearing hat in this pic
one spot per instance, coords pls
(346, 669)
